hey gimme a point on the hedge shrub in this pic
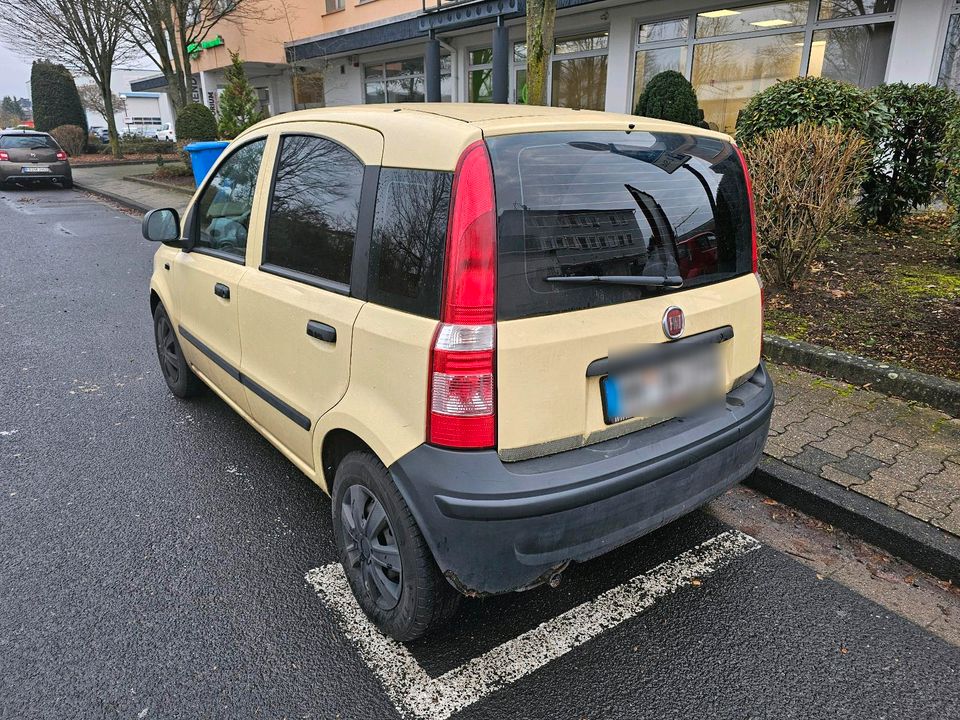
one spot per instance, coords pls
(951, 171)
(813, 100)
(907, 171)
(71, 138)
(805, 179)
(669, 96)
(55, 98)
(196, 122)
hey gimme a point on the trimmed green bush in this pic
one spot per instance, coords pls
(196, 122)
(669, 96)
(71, 138)
(812, 100)
(239, 106)
(55, 98)
(951, 171)
(907, 170)
(173, 170)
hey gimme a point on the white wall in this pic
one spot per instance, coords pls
(120, 83)
(917, 42)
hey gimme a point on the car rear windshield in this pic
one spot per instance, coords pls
(28, 142)
(612, 203)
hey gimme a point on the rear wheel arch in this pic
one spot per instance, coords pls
(336, 445)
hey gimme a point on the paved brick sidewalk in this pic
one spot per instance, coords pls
(110, 179)
(903, 454)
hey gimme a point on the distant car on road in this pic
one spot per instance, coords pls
(100, 132)
(166, 132)
(29, 156)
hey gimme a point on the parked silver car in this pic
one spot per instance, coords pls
(27, 156)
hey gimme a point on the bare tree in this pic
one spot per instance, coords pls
(89, 37)
(166, 31)
(92, 99)
(541, 16)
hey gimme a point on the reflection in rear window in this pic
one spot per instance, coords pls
(614, 203)
(26, 142)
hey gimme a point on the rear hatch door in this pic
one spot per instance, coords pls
(574, 206)
(28, 149)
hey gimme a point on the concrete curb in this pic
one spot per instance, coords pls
(937, 392)
(919, 543)
(158, 184)
(118, 163)
(118, 199)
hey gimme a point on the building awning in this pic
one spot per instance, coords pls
(150, 83)
(405, 28)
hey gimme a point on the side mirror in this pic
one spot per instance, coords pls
(162, 225)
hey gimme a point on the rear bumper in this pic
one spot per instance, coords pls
(13, 172)
(495, 526)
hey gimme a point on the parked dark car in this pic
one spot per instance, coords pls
(28, 157)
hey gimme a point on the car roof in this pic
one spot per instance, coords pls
(433, 135)
(24, 132)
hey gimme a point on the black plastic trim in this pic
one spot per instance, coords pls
(721, 334)
(284, 408)
(305, 278)
(321, 331)
(202, 347)
(359, 269)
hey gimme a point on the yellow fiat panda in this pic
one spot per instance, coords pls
(502, 338)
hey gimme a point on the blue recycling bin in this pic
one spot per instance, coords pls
(202, 157)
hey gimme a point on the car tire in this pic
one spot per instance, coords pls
(405, 602)
(173, 365)
(67, 184)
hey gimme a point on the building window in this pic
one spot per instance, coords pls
(733, 53)
(480, 76)
(855, 54)
(578, 72)
(308, 89)
(950, 63)
(403, 81)
(334, 5)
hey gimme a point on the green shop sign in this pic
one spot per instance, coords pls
(194, 48)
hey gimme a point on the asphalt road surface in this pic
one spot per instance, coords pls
(156, 557)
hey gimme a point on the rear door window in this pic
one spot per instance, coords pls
(314, 209)
(613, 203)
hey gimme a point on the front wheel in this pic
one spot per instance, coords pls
(386, 559)
(173, 365)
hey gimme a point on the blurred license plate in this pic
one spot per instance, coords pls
(35, 169)
(662, 388)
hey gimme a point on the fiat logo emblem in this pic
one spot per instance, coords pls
(673, 322)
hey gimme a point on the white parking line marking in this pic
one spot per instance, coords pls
(417, 695)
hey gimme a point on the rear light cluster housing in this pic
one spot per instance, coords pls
(4, 156)
(61, 155)
(462, 394)
(753, 231)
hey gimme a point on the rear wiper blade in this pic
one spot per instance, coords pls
(644, 280)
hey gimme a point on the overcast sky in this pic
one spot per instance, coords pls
(14, 74)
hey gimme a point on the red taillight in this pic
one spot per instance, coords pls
(61, 155)
(753, 212)
(753, 233)
(462, 412)
(4, 155)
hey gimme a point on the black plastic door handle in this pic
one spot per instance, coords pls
(321, 331)
(221, 290)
